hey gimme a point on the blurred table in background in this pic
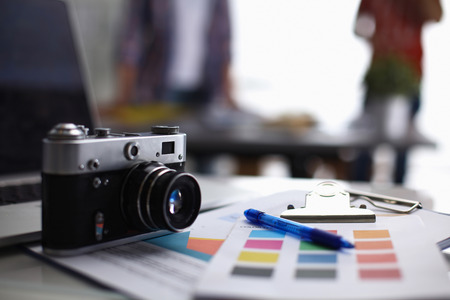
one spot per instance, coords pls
(249, 138)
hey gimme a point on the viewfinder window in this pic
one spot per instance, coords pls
(168, 148)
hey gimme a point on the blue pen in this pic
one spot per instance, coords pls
(315, 235)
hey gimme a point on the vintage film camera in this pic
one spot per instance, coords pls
(108, 188)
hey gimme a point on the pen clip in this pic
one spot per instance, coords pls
(372, 198)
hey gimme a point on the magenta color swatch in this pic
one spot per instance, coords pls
(264, 244)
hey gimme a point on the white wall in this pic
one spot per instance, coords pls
(297, 56)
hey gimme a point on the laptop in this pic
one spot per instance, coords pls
(42, 83)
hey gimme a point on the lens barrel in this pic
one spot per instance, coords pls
(155, 197)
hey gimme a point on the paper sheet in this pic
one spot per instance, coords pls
(140, 270)
(171, 267)
(389, 261)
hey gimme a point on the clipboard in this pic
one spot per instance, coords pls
(330, 203)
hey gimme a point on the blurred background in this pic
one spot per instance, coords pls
(296, 57)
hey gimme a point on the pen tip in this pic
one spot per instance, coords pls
(346, 244)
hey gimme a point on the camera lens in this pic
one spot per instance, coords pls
(175, 201)
(156, 197)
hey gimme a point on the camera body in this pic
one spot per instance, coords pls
(108, 188)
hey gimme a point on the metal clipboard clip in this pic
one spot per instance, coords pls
(330, 203)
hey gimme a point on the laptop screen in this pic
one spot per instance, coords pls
(41, 81)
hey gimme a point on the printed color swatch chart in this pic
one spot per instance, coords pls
(263, 263)
(260, 253)
(374, 254)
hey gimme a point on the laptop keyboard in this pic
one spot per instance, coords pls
(20, 193)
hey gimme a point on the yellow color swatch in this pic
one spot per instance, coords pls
(371, 234)
(264, 257)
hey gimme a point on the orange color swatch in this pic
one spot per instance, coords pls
(373, 245)
(208, 246)
(371, 234)
(376, 258)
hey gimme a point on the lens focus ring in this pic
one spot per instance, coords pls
(156, 197)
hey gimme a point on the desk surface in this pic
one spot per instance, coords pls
(25, 277)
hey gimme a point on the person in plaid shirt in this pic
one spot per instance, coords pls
(176, 51)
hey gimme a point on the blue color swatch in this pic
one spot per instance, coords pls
(267, 234)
